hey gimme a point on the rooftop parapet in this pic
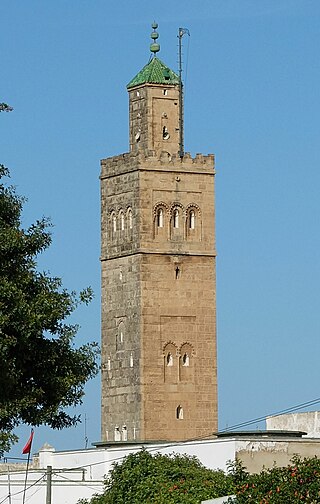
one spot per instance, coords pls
(148, 160)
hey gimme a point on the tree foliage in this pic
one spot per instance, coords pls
(162, 479)
(5, 108)
(296, 483)
(42, 372)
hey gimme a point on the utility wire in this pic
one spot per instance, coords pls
(28, 487)
(37, 490)
(95, 488)
(281, 412)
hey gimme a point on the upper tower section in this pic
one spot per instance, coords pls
(154, 106)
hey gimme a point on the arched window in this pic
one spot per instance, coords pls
(177, 222)
(120, 336)
(179, 413)
(192, 219)
(131, 360)
(165, 133)
(169, 359)
(176, 218)
(171, 363)
(130, 220)
(186, 360)
(117, 434)
(124, 433)
(114, 222)
(121, 218)
(186, 364)
(193, 223)
(160, 218)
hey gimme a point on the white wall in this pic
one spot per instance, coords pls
(80, 473)
(306, 421)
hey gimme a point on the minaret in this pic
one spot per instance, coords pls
(154, 106)
(159, 365)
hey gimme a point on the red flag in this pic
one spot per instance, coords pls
(27, 447)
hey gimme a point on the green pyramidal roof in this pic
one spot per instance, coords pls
(155, 72)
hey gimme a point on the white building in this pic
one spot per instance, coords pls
(79, 474)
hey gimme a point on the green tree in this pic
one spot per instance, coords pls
(42, 372)
(5, 108)
(142, 478)
(296, 483)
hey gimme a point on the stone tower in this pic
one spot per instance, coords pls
(159, 365)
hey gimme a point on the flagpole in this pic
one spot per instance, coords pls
(26, 478)
(27, 449)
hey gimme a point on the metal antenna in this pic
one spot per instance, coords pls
(182, 31)
(85, 432)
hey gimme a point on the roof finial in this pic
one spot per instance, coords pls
(154, 47)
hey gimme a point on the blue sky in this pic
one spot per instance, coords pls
(252, 81)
